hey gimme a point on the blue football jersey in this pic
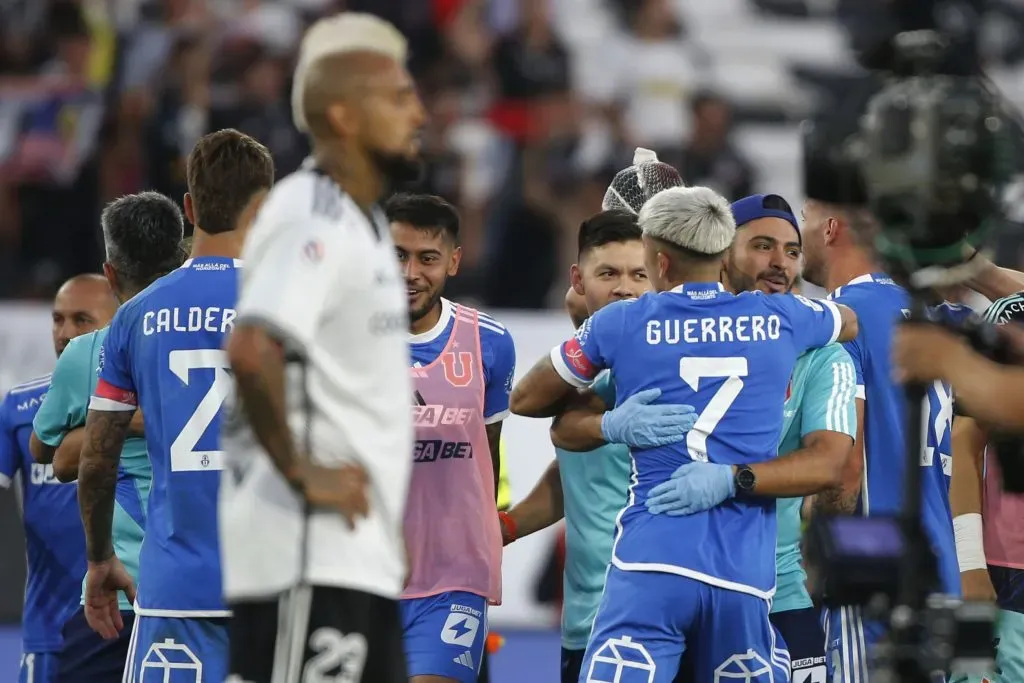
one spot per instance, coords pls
(54, 540)
(731, 358)
(164, 354)
(880, 305)
(497, 351)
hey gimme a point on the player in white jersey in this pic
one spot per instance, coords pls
(312, 503)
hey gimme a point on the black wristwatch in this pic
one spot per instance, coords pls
(745, 481)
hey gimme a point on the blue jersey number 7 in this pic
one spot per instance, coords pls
(692, 370)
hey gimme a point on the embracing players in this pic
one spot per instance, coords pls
(163, 354)
(730, 356)
(589, 487)
(55, 549)
(463, 362)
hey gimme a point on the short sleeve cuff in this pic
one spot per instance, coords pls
(497, 417)
(861, 393)
(564, 371)
(837, 319)
(5, 481)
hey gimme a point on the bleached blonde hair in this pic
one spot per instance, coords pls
(337, 35)
(694, 218)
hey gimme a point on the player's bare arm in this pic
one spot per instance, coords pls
(494, 445)
(993, 282)
(842, 498)
(41, 452)
(257, 359)
(65, 457)
(539, 510)
(578, 427)
(968, 439)
(984, 389)
(816, 466)
(848, 323)
(541, 393)
(105, 432)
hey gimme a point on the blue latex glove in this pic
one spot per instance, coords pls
(693, 487)
(638, 424)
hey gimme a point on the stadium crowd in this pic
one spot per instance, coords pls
(233, 400)
(99, 99)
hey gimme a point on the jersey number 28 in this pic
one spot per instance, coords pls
(692, 370)
(184, 456)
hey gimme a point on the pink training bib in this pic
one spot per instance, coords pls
(451, 522)
(1002, 514)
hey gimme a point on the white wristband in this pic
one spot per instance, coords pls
(970, 542)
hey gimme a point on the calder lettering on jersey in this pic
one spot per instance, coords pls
(458, 374)
(429, 450)
(433, 415)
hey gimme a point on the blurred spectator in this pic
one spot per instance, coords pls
(181, 116)
(649, 72)
(710, 158)
(50, 151)
(261, 112)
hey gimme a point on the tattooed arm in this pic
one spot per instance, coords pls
(257, 360)
(105, 432)
(842, 500)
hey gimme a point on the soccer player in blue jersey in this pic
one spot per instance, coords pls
(588, 483)
(142, 233)
(163, 354)
(819, 418)
(731, 357)
(55, 548)
(839, 256)
(444, 607)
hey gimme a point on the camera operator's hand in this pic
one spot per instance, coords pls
(923, 352)
(977, 586)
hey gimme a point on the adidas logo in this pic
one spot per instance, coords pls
(465, 659)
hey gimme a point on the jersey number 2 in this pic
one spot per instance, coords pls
(692, 370)
(184, 457)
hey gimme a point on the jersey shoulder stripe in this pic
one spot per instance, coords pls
(31, 385)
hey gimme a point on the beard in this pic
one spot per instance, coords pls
(397, 168)
(422, 311)
(742, 282)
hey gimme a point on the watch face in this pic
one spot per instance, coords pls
(745, 478)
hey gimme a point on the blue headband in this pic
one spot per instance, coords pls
(752, 208)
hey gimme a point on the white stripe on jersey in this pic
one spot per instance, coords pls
(491, 324)
(109, 405)
(37, 383)
(844, 387)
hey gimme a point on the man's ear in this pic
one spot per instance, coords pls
(189, 209)
(111, 275)
(456, 259)
(576, 279)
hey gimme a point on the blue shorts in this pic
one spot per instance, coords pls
(86, 657)
(186, 650)
(849, 641)
(444, 635)
(805, 639)
(647, 620)
(38, 667)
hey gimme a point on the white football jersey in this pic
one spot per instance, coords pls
(323, 276)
